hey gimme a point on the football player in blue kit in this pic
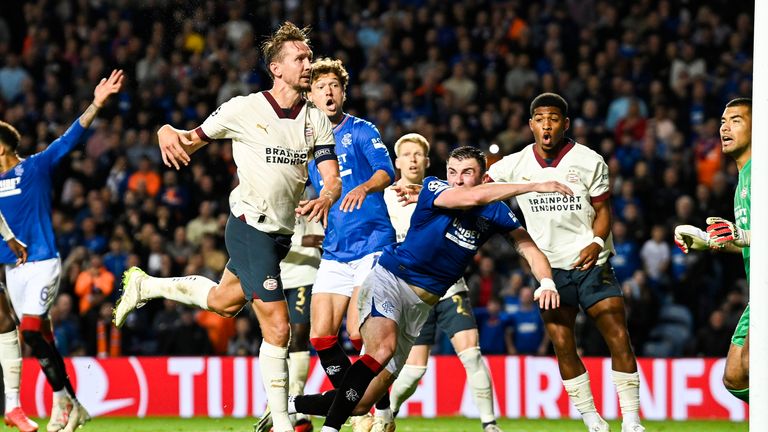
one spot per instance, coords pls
(25, 200)
(451, 221)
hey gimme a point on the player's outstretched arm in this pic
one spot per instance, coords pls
(106, 88)
(466, 197)
(546, 294)
(317, 209)
(354, 199)
(176, 145)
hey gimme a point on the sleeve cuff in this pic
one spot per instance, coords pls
(200, 133)
(600, 198)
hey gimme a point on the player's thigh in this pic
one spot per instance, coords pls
(610, 318)
(255, 260)
(735, 374)
(353, 316)
(418, 356)
(32, 287)
(327, 312)
(465, 340)
(560, 324)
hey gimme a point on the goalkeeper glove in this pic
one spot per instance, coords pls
(689, 237)
(722, 232)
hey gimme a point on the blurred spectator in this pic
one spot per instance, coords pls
(527, 328)
(714, 339)
(187, 338)
(243, 343)
(13, 78)
(220, 330)
(94, 284)
(656, 255)
(146, 180)
(495, 328)
(66, 327)
(626, 259)
(486, 284)
(203, 224)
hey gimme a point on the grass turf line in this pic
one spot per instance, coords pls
(442, 424)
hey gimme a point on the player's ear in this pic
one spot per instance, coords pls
(274, 67)
(397, 162)
(429, 161)
(567, 124)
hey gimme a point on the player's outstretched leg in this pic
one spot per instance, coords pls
(138, 288)
(736, 373)
(479, 379)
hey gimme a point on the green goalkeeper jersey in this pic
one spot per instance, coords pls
(741, 206)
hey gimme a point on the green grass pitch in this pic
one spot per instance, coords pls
(443, 424)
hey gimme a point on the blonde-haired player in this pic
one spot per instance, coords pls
(274, 133)
(453, 314)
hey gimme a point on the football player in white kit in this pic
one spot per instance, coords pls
(453, 314)
(574, 232)
(274, 135)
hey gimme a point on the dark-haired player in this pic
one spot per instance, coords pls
(574, 232)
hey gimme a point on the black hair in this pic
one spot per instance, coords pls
(550, 99)
(9, 135)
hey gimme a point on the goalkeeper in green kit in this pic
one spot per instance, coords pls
(736, 140)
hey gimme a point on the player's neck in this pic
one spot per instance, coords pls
(553, 152)
(8, 162)
(743, 158)
(404, 181)
(337, 119)
(285, 95)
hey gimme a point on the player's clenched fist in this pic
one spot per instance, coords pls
(689, 237)
(721, 232)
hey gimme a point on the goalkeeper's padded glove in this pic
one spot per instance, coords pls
(546, 285)
(689, 237)
(722, 232)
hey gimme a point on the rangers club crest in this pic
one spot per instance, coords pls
(18, 171)
(352, 395)
(346, 140)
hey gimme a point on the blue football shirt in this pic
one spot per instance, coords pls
(25, 198)
(360, 151)
(441, 242)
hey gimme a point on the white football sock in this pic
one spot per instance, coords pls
(479, 380)
(274, 374)
(298, 368)
(190, 290)
(580, 393)
(10, 361)
(405, 385)
(328, 429)
(628, 389)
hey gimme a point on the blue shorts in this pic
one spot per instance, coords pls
(254, 257)
(452, 315)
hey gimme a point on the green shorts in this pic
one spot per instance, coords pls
(453, 315)
(585, 288)
(254, 257)
(299, 301)
(742, 329)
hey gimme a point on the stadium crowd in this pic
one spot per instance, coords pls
(646, 82)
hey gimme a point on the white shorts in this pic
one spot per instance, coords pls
(32, 287)
(335, 277)
(386, 295)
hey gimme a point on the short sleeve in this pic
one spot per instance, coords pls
(505, 218)
(599, 189)
(431, 189)
(323, 127)
(375, 151)
(223, 123)
(501, 171)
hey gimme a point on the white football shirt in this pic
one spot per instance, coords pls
(561, 226)
(299, 268)
(271, 148)
(401, 220)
